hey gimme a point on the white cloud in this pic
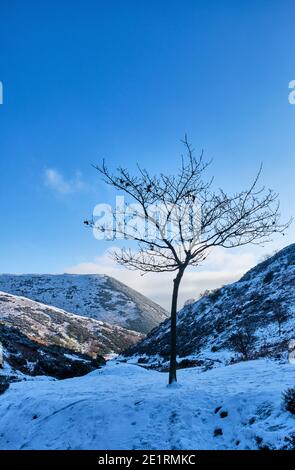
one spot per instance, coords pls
(56, 181)
(221, 268)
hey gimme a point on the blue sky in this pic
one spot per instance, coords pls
(125, 81)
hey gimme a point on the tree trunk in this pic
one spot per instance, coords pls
(173, 333)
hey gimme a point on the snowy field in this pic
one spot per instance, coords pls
(123, 406)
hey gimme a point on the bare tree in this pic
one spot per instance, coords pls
(188, 219)
(280, 316)
(242, 342)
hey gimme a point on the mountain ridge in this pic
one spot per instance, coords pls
(96, 296)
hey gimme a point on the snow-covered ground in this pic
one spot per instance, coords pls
(124, 406)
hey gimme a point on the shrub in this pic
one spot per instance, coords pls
(204, 294)
(289, 400)
(185, 363)
(243, 342)
(268, 277)
(290, 442)
(3, 387)
(142, 360)
(214, 294)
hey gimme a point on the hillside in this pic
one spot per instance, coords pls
(261, 303)
(95, 296)
(124, 406)
(22, 359)
(50, 326)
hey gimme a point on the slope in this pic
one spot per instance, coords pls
(95, 296)
(51, 326)
(262, 303)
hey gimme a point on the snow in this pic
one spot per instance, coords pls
(51, 325)
(124, 406)
(95, 296)
(74, 357)
(206, 326)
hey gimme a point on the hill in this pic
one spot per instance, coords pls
(99, 297)
(260, 306)
(50, 326)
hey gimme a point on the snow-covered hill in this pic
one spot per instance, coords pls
(23, 359)
(123, 406)
(262, 304)
(95, 296)
(52, 326)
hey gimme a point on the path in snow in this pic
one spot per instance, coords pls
(124, 406)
